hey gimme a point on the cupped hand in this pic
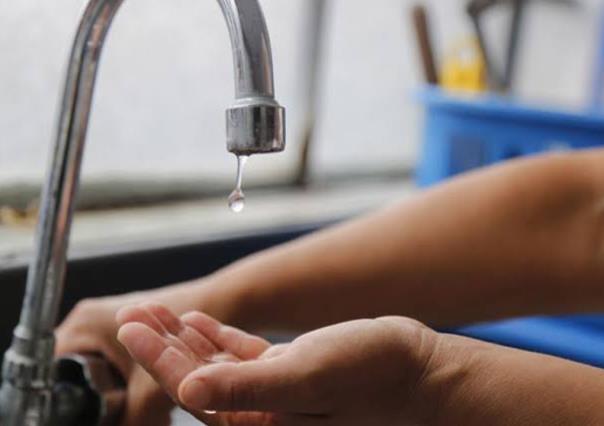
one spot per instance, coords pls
(356, 373)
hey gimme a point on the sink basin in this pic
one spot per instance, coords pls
(108, 274)
(580, 338)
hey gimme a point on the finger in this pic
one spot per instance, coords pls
(117, 357)
(169, 326)
(130, 314)
(168, 320)
(67, 344)
(200, 346)
(275, 385)
(241, 344)
(166, 363)
(275, 351)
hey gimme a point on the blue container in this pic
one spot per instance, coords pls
(579, 338)
(465, 133)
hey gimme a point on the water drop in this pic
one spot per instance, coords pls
(237, 201)
(237, 197)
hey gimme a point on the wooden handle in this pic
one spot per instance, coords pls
(424, 42)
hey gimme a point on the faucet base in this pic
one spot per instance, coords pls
(26, 392)
(24, 407)
(84, 391)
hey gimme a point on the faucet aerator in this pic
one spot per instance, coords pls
(255, 128)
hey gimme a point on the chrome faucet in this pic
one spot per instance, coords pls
(38, 390)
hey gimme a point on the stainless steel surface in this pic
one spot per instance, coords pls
(255, 124)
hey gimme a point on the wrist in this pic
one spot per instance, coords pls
(450, 368)
(217, 295)
(478, 383)
(231, 299)
(230, 295)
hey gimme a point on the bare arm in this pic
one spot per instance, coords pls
(385, 371)
(484, 384)
(522, 238)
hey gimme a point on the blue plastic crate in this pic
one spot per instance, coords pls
(580, 337)
(465, 133)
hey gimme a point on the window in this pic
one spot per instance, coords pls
(157, 125)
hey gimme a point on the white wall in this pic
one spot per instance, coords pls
(166, 79)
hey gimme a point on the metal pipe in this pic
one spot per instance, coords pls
(255, 124)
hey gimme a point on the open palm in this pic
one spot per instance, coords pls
(170, 348)
(356, 373)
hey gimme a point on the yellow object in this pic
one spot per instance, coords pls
(464, 68)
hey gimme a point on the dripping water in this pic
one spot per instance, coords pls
(237, 197)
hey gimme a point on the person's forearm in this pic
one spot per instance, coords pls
(518, 239)
(479, 383)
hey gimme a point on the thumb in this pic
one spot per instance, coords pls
(261, 385)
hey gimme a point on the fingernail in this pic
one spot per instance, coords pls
(195, 395)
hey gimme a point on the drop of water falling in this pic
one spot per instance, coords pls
(237, 201)
(237, 197)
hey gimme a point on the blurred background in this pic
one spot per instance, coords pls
(166, 79)
(384, 98)
(347, 70)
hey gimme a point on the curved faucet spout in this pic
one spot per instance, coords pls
(251, 44)
(255, 124)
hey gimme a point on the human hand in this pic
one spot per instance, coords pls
(356, 373)
(91, 328)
